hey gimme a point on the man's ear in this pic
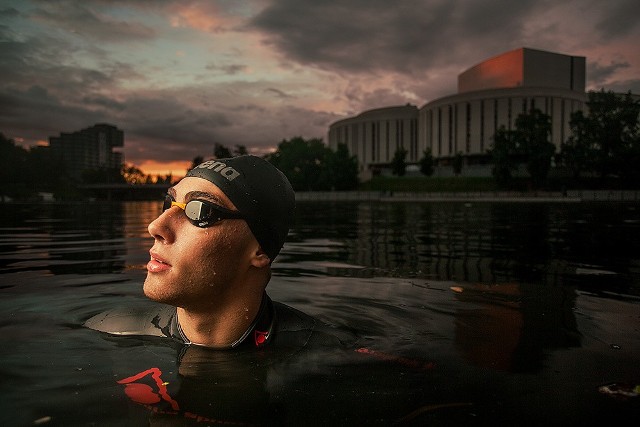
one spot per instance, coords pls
(260, 259)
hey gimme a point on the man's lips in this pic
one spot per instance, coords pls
(157, 264)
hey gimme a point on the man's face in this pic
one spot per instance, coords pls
(197, 268)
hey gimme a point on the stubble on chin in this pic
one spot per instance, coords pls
(152, 289)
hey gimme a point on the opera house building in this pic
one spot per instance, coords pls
(490, 94)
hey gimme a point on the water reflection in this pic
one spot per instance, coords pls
(512, 327)
(485, 294)
(73, 238)
(551, 244)
(516, 267)
(63, 238)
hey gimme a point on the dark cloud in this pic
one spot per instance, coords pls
(46, 92)
(599, 74)
(619, 19)
(182, 136)
(9, 12)
(82, 19)
(48, 61)
(404, 37)
(36, 114)
(228, 69)
(278, 93)
(103, 101)
(64, 64)
(625, 86)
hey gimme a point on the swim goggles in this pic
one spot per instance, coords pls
(202, 213)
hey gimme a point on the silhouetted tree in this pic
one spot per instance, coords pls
(304, 162)
(427, 163)
(133, 175)
(40, 164)
(503, 156)
(196, 161)
(398, 164)
(576, 154)
(221, 151)
(166, 179)
(343, 169)
(240, 150)
(13, 161)
(457, 163)
(607, 139)
(528, 143)
(533, 141)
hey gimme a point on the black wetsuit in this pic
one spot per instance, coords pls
(287, 369)
(275, 325)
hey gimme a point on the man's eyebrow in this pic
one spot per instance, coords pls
(207, 196)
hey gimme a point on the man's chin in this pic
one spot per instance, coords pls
(152, 289)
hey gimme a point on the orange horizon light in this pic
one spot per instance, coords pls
(152, 167)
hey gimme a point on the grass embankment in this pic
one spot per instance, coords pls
(429, 184)
(459, 184)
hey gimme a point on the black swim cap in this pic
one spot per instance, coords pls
(261, 193)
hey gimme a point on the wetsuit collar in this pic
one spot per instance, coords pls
(257, 335)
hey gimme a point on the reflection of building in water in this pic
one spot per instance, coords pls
(490, 95)
(88, 149)
(511, 326)
(453, 241)
(506, 326)
(87, 239)
(445, 241)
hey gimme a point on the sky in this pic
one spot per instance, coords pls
(178, 76)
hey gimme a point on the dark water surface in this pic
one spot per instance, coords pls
(467, 314)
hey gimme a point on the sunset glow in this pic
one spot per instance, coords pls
(179, 76)
(176, 169)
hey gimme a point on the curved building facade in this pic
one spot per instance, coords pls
(490, 94)
(467, 122)
(374, 136)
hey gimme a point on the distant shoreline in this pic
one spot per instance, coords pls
(570, 196)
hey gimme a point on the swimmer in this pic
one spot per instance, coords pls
(220, 229)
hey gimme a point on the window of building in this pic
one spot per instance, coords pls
(373, 141)
(562, 119)
(439, 131)
(386, 138)
(495, 116)
(482, 126)
(413, 135)
(468, 129)
(356, 136)
(450, 136)
(364, 141)
(430, 130)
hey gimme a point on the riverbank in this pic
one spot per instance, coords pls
(570, 196)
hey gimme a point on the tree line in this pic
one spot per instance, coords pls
(604, 143)
(27, 172)
(308, 163)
